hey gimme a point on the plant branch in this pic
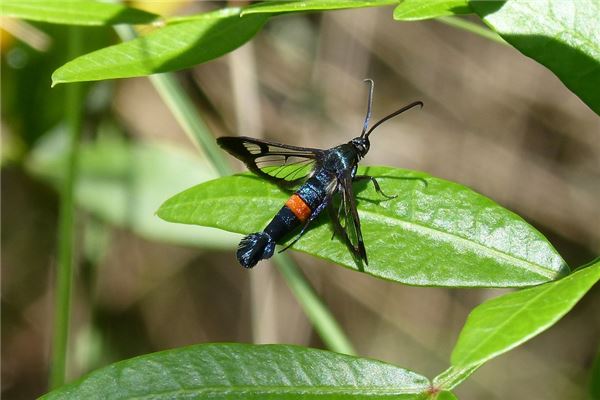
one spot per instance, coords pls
(323, 321)
(64, 279)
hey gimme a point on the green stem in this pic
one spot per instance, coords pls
(472, 27)
(324, 323)
(63, 288)
(185, 113)
(453, 376)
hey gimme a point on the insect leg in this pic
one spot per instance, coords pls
(375, 183)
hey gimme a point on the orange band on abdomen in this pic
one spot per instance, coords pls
(300, 209)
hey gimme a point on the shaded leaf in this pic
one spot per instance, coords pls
(594, 381)
(439, 233)
(312, 5)
(123, 183)
(75, 12)
(505, 322)
(29, 106)
(414, 10)
(174, 47)
(562, 35)
(242, 371)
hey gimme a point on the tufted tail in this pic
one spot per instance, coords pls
(255, 247)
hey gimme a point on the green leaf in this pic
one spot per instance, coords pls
(473, 27)
(444, 396)
(562, 35)
(414, 10)
(123, 183)
(174, 47)
(75, 12)
(242, 371)
(220, 13)
(505, 322)
(312, 5)
(439, 233)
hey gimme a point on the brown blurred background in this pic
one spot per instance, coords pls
(493, 120)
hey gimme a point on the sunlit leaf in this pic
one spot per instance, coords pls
(312, 5)
(174, 47)
(413, 10)
(241, 371)
(434, 233)
(75, 12)
(562, 35)
(219, 13)
(505, 322)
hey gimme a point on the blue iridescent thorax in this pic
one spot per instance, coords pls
(340, 158)
(314, 190)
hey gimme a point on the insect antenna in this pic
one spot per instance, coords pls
(369, 103)
(392, 115)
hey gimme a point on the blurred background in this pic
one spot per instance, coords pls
(493, 120)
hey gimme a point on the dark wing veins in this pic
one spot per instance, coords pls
(285, 165)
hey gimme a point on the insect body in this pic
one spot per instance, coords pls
(318, 176)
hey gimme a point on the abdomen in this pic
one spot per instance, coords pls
(299, 207)
(296, 211)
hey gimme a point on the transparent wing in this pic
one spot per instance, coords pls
(285, 165)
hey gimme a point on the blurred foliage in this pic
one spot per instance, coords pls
(124, 182)
(29, 105)
(76, 12)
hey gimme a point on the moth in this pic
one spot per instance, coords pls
(318, 176)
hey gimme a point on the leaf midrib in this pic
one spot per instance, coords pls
(416, 227)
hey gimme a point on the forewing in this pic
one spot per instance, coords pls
(285, 165)
(346, 219)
